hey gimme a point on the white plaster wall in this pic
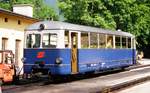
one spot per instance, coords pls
(12, 35)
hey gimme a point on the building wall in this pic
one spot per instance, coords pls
(12, 36)
(13, 22)
(13, 31)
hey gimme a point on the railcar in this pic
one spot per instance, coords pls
(60, 48)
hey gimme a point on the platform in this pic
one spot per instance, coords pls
(144, 61)
(91, 85)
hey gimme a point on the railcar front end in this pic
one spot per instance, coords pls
(47, 61)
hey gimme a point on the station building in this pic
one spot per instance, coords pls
(12, 25)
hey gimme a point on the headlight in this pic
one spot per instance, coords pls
(58, 60)
(23, 59)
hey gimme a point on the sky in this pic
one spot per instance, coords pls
(52, 3)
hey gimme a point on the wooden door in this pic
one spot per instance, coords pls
(74, 51)
(4, 43)
(4, 47)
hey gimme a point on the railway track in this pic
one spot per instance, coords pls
(100, 77)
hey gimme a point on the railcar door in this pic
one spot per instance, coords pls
(74, 51)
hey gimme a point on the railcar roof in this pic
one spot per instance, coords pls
(57, 25)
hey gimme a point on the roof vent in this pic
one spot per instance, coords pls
(42, 27)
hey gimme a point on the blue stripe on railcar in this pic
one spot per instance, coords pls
(49, 59)
(88, 59)
(101, 59)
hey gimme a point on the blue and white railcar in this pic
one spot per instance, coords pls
(59, 48)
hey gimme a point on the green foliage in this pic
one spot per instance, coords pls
(128, 15)
(132, 16)
(87, 12)
(5, 5)
(41, 10)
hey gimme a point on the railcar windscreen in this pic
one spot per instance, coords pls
(33, 41)
(49, 40)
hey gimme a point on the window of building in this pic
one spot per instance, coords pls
(84, 40)
(118, 42)
(102, 40)
(93, 40)
(19, 22)
(49, 40)
(109, 43)
(4, 47)
(6, 19)
(124, 42)
(4, 43)
(66, 39)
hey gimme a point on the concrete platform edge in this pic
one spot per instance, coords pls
(108, 89)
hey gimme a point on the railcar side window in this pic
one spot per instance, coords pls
(84, 40)
(124, 42)
(33, 40)
(109, 43)
(133, 43)
(129, 42)
(49, 40)
(102, 40)
(117, 42)
(66, 39)
(93, 40)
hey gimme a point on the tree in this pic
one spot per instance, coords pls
(87, 12)
(132, 16)
(41, 10)
(128, 15)
(5, 4)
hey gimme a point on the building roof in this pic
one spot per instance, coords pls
(23, 5)
(4, 11)
(57, 25)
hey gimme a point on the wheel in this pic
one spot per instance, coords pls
(15, 79)
(124, 68)
(56, 78)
